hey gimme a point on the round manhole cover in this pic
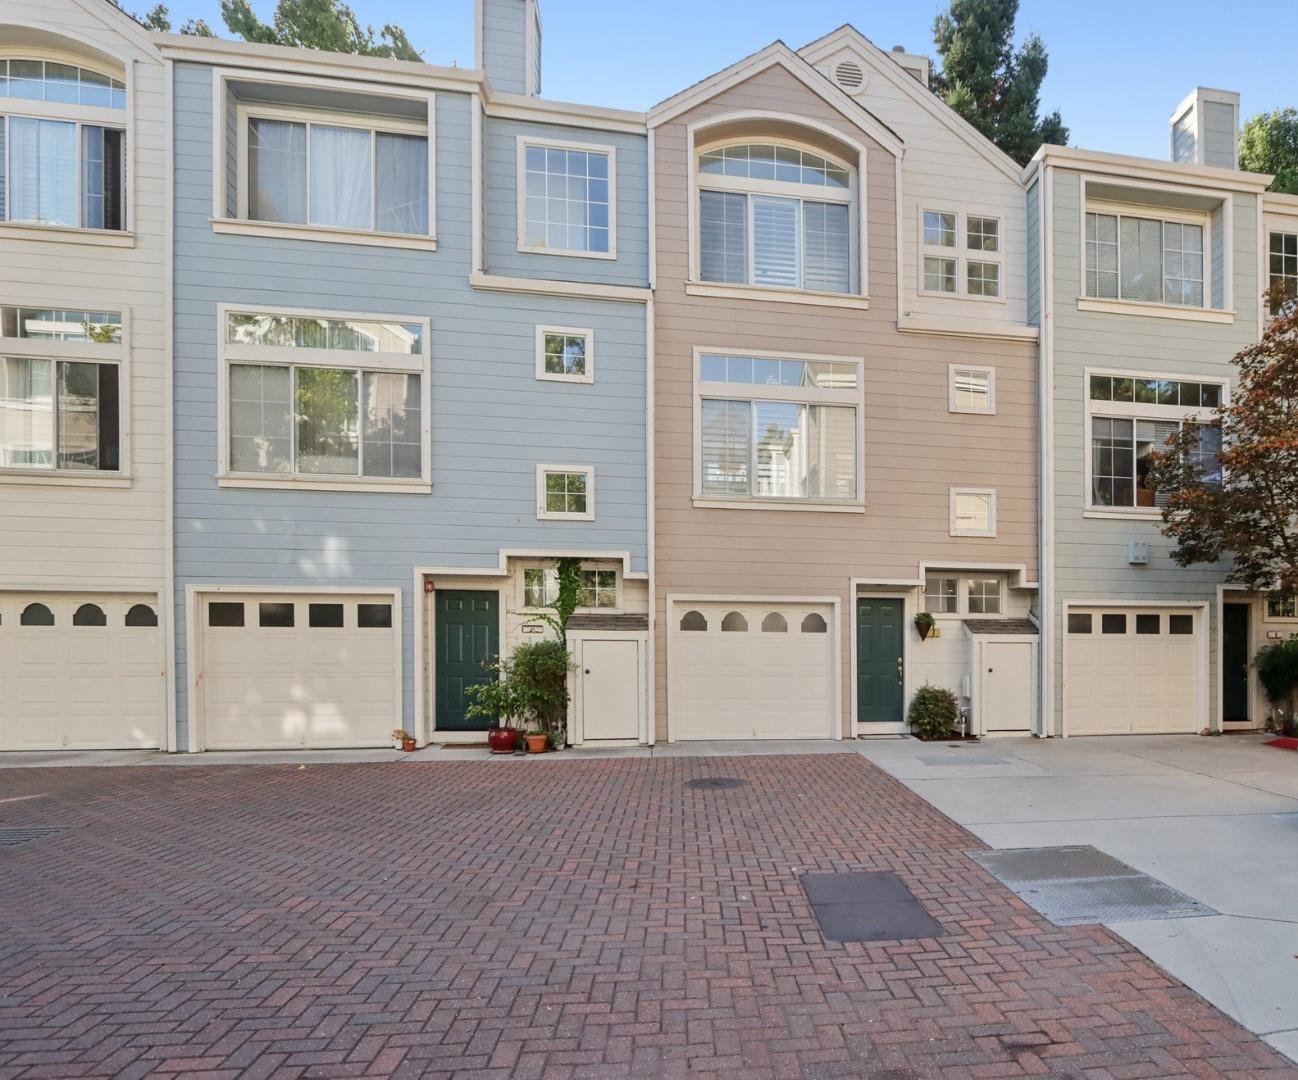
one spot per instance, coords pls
(715, 783)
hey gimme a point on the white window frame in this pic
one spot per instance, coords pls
(956, 492)
(542, 514)
(120, 119)
(742, 185)
(586, 565)
(522, 142)
(753, 392)
(954, 406)
(229, 354)
(566, 331)
(961, 254)
(962, 578)
(241, 225)
(941, 575)
(1267, 614)
(1134, 410)
(1272, 231)
(965, 594)
(1164, 216)
(118, 353)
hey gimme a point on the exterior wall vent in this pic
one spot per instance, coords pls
(848, 75)
(1138, 553)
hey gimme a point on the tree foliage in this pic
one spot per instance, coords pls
(1250, 515)
(530, 691)
(989, 82)
(933, 713)
(1269, 144)
(328, 25)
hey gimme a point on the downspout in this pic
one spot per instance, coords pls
(1046, 459)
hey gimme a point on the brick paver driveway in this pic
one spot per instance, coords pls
(581, 919)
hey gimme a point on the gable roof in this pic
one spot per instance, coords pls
(882, 63)
(113, 17)
(778, 54)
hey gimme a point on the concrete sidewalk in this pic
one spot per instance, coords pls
(1216, 818)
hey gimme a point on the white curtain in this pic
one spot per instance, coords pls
(341, 177)
(42, 171)
(277, 171)
(26, 413)
(402, 171)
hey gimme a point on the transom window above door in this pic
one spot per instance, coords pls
(777, 430)
(777, 216)
(62, 145)
(1130, 417)
(334, 173)
(323, 398)
(961, 254)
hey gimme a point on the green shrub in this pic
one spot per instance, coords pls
(933, 713)
(530, 691)
(1277, 669)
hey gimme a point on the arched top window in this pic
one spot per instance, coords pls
(776, 215)
(57, 81)
(693, 620)
(734, 622)
(89, 615)
(775, 623)
(63, 126)
(141, 615)
(814, 624)
(36, 615)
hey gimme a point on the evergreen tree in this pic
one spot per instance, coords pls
(994, 86)
(1269, 144)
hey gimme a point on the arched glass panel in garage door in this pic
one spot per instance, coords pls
(814, 624)
(693, 620)
(36, 615)
(775, 623)
(89, 615)
(734, 622)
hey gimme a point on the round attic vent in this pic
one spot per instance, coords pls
(848, 75)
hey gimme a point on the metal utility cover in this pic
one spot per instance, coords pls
(867, 907)
(1075, 885)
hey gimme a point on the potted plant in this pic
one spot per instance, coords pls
(399, 737)
(924, 624)
(1277, 671)
(933, 714)
(408, 744)
(538, 742)
(502, 739)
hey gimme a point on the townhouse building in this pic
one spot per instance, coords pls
(84, 379)
(844, 403)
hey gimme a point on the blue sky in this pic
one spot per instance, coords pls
(1117, 67)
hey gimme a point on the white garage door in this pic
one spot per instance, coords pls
(1132, 671)
(288, 671)
(751, 670)
(80, 671)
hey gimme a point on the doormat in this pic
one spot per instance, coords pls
(1282, 742)
(867, 907)
(1072, 886)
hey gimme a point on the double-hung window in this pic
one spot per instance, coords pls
(334, 173)
(1282, 264)
(776, 216)
(324, 398)
(60, 391)
(961, 255)
(779, 430)
(1150, 260)
(1130, 417)
(62, 145)
(566, 203)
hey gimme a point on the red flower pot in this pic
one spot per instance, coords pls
(502, 740)
(408, 745)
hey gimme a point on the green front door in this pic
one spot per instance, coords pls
(878, 660)
(468, 635)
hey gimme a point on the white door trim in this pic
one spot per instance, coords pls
(908, 594)
(578, 640)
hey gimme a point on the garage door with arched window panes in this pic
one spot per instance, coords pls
(752, 670)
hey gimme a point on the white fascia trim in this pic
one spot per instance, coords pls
(504, 106)
(129, 585)
(945, 326)
(1275, 202)
(1019, 571)
(868, 51)
(502, 568)
(322, 233)
(550, 287)
(1154, 311)
(66, 234)
(777, 54)
(1138, 168)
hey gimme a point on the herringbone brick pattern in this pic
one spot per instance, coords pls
(581, 919)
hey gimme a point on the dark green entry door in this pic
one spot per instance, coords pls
(1234, 661)
(878, 660)
(468, 635)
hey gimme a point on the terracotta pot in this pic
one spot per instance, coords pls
(408, 745)
(502, 740)
(536, 744)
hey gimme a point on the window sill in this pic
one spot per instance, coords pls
(1125, 513)
(931, 294)
(67, 234)
(51, 478)
(323, 234)
(973, 535)
(767, 294)
(566, 254)
(799, 505)
(1155, 311)
(332, 483)
(542, 516)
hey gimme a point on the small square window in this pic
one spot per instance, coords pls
(222, 613)
(973, 513)
(540, 587)
(566, 355)
(374, 616)
(983, 233)
(1079, 622)
(939, 274)
(275, 614)
(599, 588)
(1149, 624)
(565, 493)
(1180, 624)
(1113, 623)
(984, 278)
(941, 595)
(939, 228)
(972, 390)
(984, 596)
(324, 616)
(1282, 606)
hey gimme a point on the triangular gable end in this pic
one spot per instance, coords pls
(114, 18)
(883, 64)
(777, 54)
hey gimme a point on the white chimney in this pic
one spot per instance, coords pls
(1205, 129)
(915, 66)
